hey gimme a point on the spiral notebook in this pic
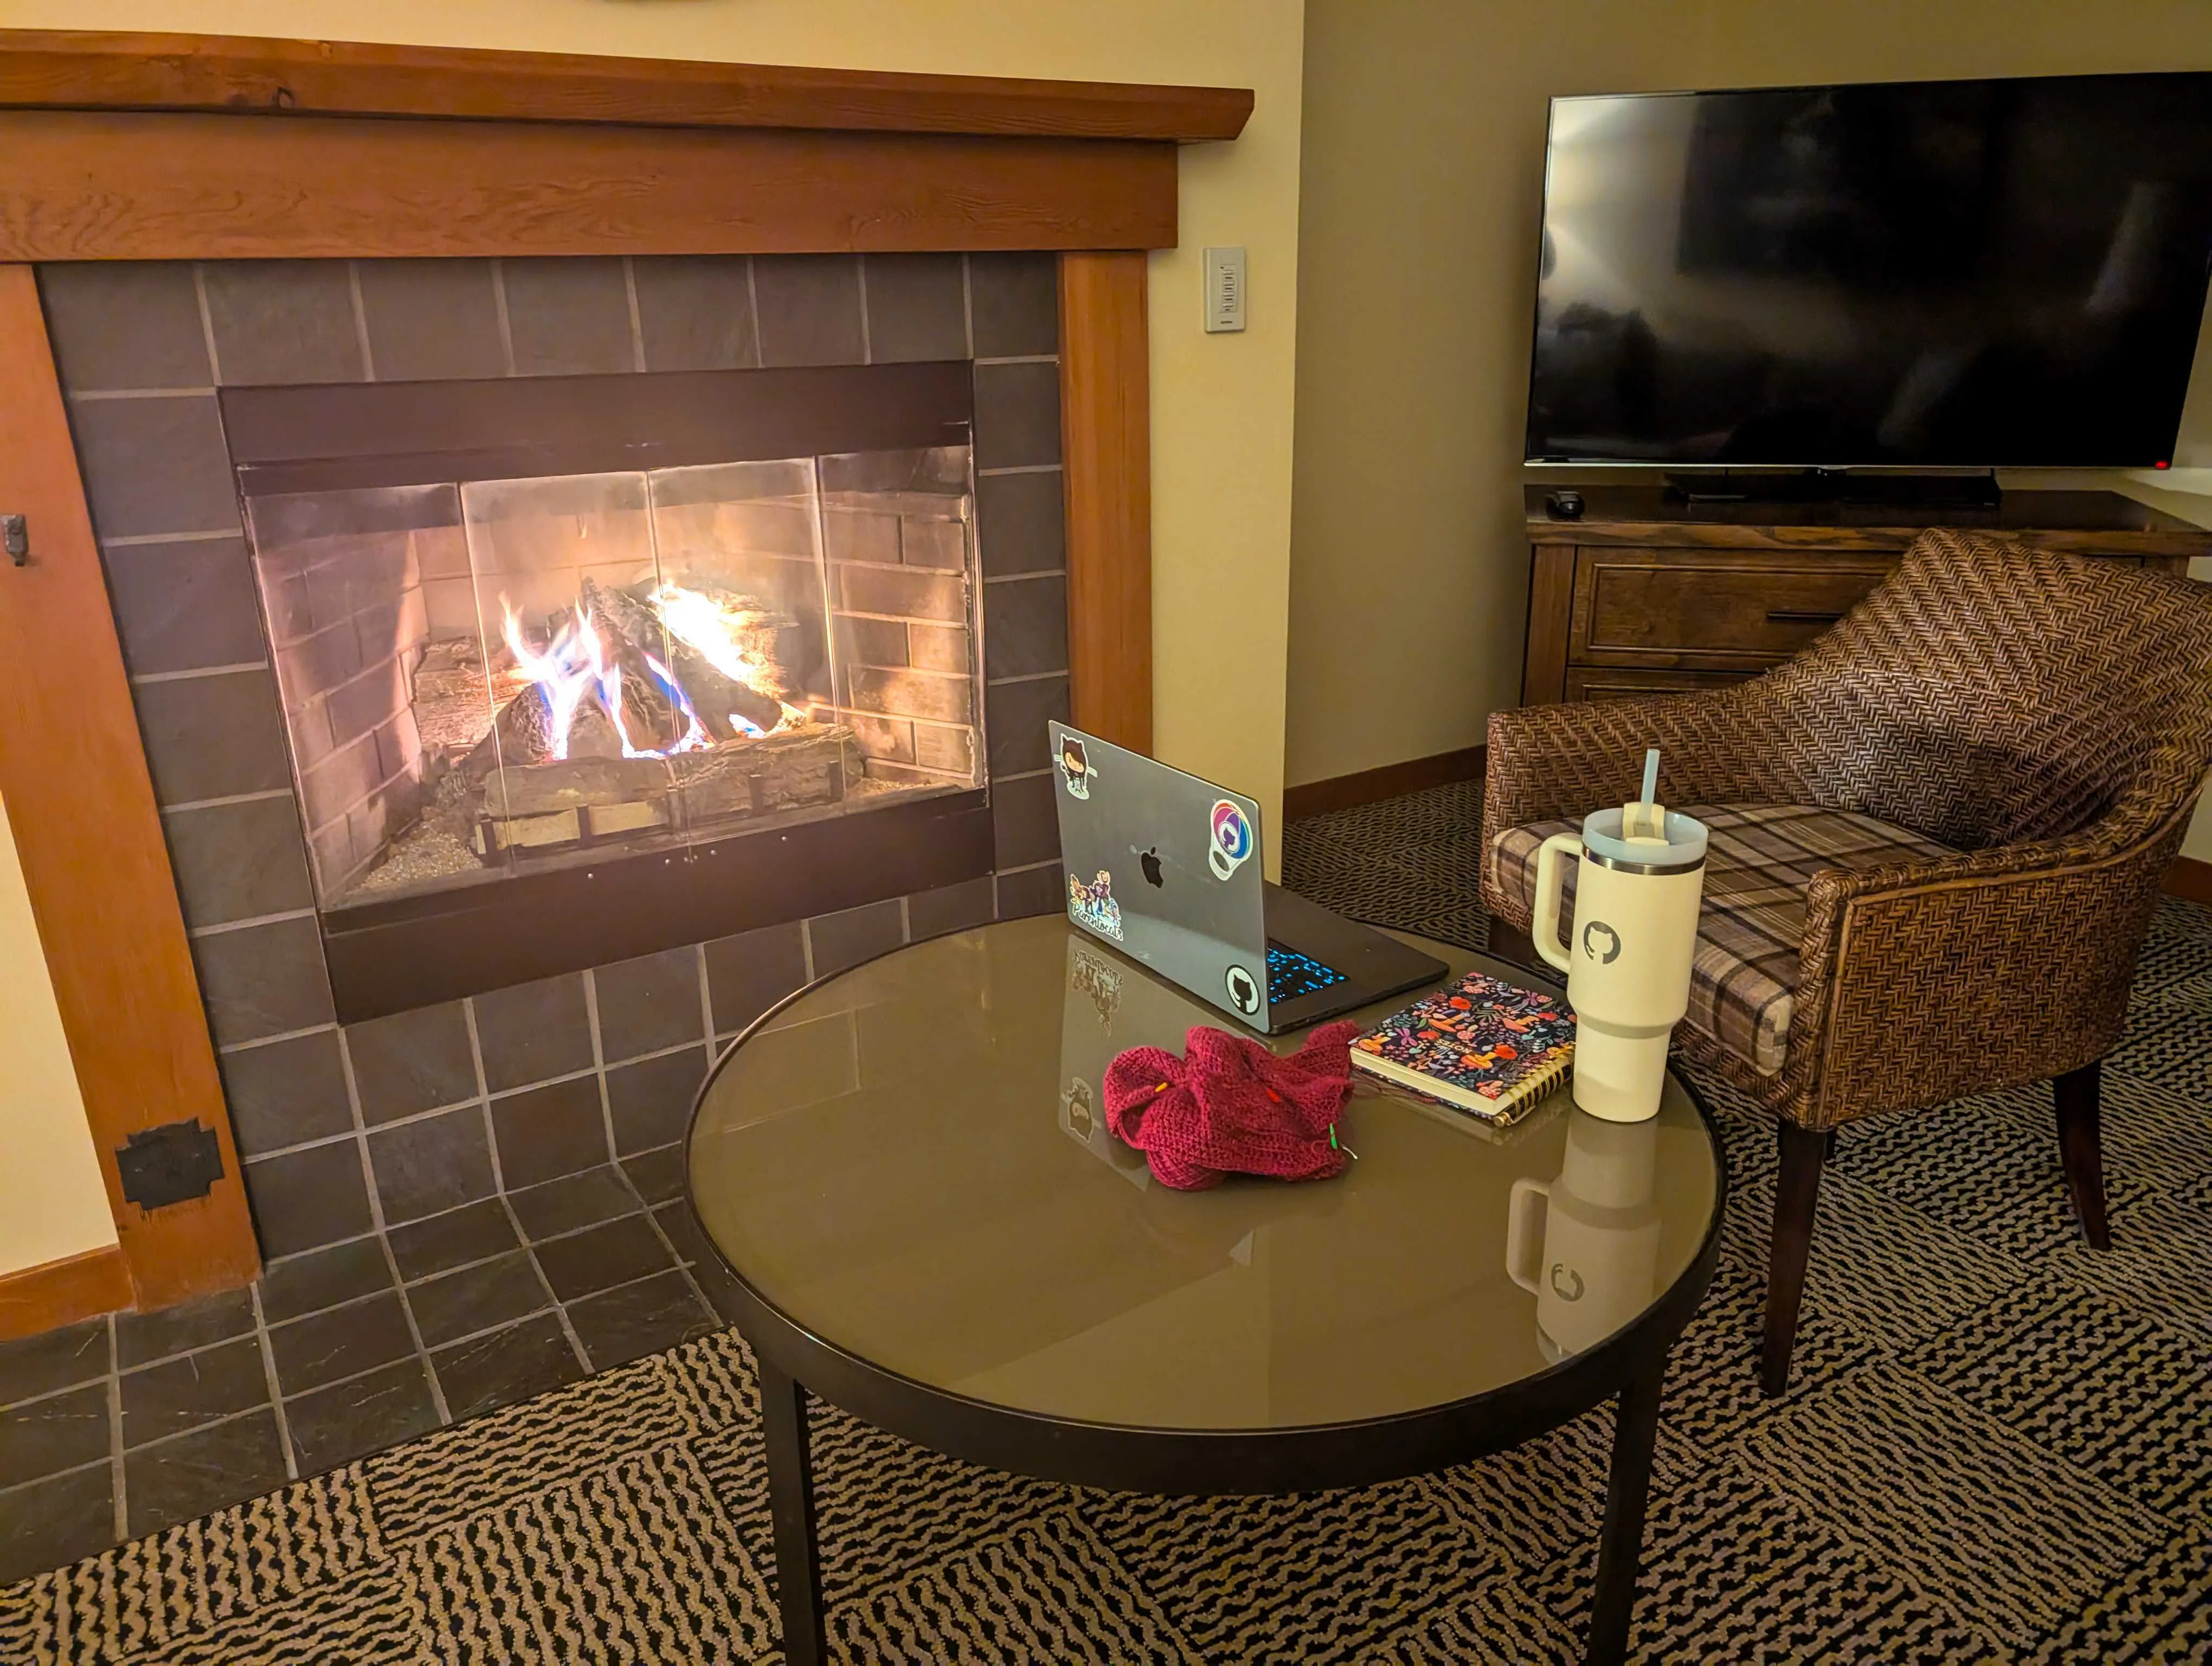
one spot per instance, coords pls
(1490, 1048)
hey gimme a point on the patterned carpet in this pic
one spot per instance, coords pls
(1995, 1449)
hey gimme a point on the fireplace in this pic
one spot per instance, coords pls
(568, 634)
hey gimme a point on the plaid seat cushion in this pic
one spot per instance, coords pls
(1743, 982)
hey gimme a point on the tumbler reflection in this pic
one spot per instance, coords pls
(1586, 1245)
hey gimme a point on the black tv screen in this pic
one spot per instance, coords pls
(1965, 273)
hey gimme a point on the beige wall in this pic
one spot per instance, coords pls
(1221, 405)
(1424, 145)
(52, 1201)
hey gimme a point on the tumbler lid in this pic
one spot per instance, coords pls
(1683, 849)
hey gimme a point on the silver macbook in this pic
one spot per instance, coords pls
(1165, 867)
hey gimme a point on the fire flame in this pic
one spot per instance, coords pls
(575, 664)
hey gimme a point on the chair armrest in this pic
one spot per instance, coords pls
(1918, 982)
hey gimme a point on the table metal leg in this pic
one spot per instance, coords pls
(1620, 1547)
(791, 1502)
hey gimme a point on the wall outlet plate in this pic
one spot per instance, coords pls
(1225, 290)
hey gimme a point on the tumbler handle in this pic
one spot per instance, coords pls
(1527, 1214)
(1551, 881)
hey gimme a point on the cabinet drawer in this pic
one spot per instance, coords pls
(1699, 607)
(1600, 683)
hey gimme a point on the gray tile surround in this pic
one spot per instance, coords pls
(390, 1164)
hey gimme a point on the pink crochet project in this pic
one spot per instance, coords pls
(1229, 1106)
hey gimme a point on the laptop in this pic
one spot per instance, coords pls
(1165, 867)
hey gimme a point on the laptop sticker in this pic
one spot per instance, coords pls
(1231, 842)
(1093, 905)
(1075, 768)
(1078, 1114)
(1243, 990)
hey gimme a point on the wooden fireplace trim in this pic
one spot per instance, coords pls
(137, 147)
(81, 70)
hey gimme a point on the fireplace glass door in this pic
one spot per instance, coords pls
(489, 677)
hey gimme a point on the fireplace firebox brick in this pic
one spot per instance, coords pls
(419, 1116)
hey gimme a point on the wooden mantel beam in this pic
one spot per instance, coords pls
(83, 70)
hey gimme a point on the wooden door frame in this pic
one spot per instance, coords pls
(201, 147)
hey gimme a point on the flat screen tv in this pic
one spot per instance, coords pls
(1953, 273)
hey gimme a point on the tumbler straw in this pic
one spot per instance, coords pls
(1650, 779)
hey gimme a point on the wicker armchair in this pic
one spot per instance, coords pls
(2041, 726)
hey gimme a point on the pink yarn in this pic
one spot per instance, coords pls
(1230, 1106)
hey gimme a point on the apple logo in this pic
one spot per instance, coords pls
(1150, 862)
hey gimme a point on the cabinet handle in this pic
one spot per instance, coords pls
(1800, 616)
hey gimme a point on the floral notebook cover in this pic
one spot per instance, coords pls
(1488, 1047)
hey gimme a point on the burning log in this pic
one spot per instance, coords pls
(706, 629)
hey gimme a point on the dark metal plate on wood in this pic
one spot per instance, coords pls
(171, 1163)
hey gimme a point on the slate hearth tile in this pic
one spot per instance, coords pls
(435, 1164)
(431, 319)
(1015, 302)
(853, 935)
(53, 1360)
(748, 973)
(649, 1003)
(1025, 828)
(348, 1421)
(534, 1031)
(1025, 622)
(323, 1278)
(597, 1257)
(155, 466)
(52, 1522)
(476, 1231)
(504, 1367)
(185, 607)
(569, 316)
(238, 861)
(306, 1199)
(413, 1061)
(656, 1176)
(457, 1304)
(283, 321)
(42, 1436)
(544, 1133)
(126, 324)
(572, 1202)
(286, 1093)
(1021, 525)
(1034, 891)
(916, 307)
(141, 1338)
(224, 1463)
(949, 908)
(1017, 415)
(808, 308)
(679, 1223)
(339, 1342)
(650, 1101)
(695, 312)
(639, 1319)
(262, 979)
(169, 1399)
(213, 737)
(1015, 714)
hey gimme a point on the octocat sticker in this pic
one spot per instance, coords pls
(1075, 769)
(1229, 840)
(1093, 905)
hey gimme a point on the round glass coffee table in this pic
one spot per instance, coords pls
(907, 1168)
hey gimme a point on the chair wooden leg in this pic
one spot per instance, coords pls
(2081, 1148)
(1797, 1191)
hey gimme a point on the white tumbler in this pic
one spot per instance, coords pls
(1640, 881)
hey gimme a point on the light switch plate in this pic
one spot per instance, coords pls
(1225, 290)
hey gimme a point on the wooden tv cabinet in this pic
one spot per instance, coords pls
(1646, 592)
